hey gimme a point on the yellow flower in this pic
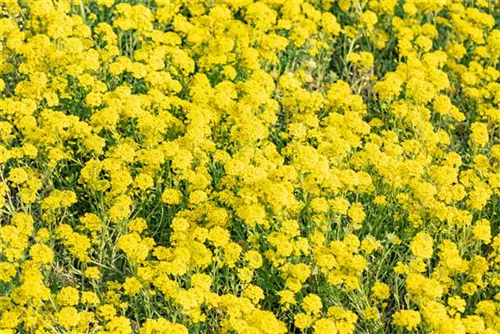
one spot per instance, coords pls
(479, 133)
(254, 259)
(469, 288)
(68, 296)
(371, 313)
(121, 208)
(380, 200)
(201, 281)
(406, 318)
(363, 59)
(119, 325)
(219, 236)
(93, 273)
(287, 298)
(232, 253)
(324, 326)
(132, 286)
(421, 245)
(369, 19)
(473, 324)
(370, 244)
(7, 271)
(18, 176)
(106, 311)
(410, 9)
(91, 221)
(136, 248)
(357, 214)
(143, 181)
(423, 288)
(246, 275)
(457, 303)
(254, 293)
(90, 298)
(171, 196)
(482, 231)
(197, 197)
(303, 321)
(380, 291)
(41, 254)
(68, 317)
(137, 225)
(312, 304)
(10, 319)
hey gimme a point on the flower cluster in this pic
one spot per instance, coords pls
(249, 167)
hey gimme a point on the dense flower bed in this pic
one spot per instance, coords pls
(249, 167)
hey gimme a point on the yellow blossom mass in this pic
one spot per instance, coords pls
(250, 167)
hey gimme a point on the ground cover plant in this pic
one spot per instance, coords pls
(249, 166)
